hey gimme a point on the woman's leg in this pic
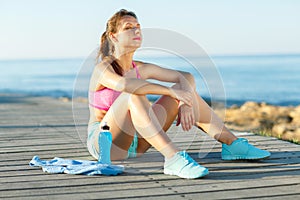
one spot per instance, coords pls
(181, 164)
(130, 113)
(166, 110)
(233, 148)
(209, 122)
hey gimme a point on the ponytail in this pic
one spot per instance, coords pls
(104, 49)
(107, 49)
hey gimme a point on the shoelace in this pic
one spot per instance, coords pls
(187, 158)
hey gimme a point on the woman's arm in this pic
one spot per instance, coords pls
(105, 76)
(152, 71)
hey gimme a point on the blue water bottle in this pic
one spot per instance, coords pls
(104, 140)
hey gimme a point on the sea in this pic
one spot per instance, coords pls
(231, 79)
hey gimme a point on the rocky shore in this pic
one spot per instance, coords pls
(277, 121)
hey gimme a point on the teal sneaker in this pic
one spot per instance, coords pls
(240, 149)
(182, 165)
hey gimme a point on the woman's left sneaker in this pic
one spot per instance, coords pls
(240, 149)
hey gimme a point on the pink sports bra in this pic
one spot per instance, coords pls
(104, 98)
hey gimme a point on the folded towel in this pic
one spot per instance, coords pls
(86, 167)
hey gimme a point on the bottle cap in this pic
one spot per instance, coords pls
(105, 126)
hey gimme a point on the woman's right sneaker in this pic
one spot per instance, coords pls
(182, 165)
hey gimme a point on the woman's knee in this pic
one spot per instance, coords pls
(137, 100)
(190, 78)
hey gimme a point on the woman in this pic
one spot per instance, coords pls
(117, 96)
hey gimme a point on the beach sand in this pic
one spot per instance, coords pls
(45, 127)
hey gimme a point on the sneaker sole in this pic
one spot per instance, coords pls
(243, 158)
(169, 172)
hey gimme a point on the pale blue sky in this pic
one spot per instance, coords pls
(71, 28)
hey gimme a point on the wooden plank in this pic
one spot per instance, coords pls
(249, 193)
(82, 189)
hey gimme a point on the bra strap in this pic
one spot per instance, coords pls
(136, 70)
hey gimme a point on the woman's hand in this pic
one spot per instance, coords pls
(181, 95)
(185, 117)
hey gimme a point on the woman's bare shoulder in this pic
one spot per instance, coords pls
(99, 69)
(142, 64)
(138, 63)
(146, 69)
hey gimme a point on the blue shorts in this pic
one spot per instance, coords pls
(93, 130)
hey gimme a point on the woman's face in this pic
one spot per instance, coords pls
(129, 33)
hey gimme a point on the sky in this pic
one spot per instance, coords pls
(37, 29)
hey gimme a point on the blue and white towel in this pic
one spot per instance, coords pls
(86, 167)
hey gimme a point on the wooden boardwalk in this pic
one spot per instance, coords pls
(45, 127)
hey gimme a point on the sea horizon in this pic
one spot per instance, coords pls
(270, 78)
(292, 54)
